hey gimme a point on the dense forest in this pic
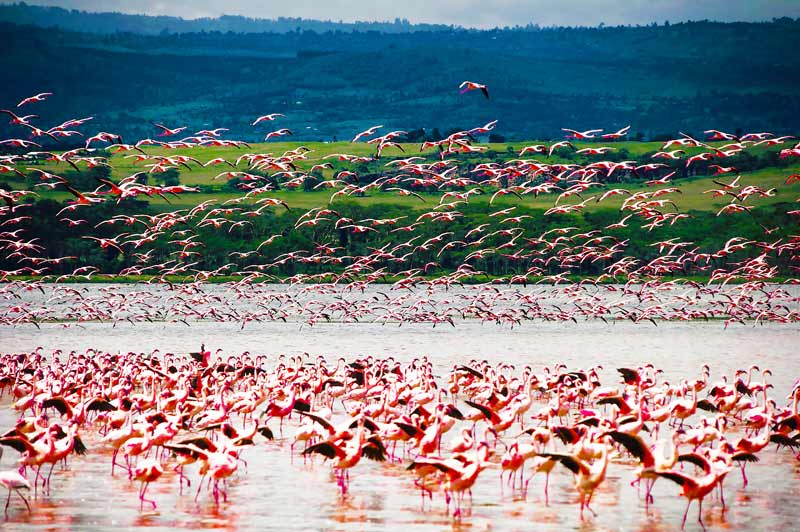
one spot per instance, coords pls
(333, 80)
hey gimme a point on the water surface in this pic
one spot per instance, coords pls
(276, 492)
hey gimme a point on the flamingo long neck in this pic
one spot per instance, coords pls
(600, 473)
(766, 432)
(73, 431)
(80, 415)
(221, 399)
(129, 420)
(51, 443)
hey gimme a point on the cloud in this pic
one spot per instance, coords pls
(470, 13)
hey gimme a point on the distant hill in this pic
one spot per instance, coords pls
(75, 20)
(332, 83)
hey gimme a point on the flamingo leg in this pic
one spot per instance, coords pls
(21, 496)
(547, 488)
(142, 500)
(181, 477)
(589, 500)
(200, 487)
(177, 469)
(685, 513)
(47, 482)
(649, 495)
(36, 480)
(700, 513)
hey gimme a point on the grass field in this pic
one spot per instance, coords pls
(124, 164)
(692, 196)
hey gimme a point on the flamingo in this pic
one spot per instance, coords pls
(167, 132)
(42, 96)
(618, 134)
(715, 134)
(279, 133)
(146, 471)
(581, 135)
(348, 455)
(471, 86)
(267, 118)
(588, 476)
(366, 133)
(695, 488)
(462, 475)
(13, 481)
(15, 119)
(649, 464)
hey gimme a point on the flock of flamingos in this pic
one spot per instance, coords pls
(191, 419)
(739, 272)
(195, 417)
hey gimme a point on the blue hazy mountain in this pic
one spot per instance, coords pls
(330, 79)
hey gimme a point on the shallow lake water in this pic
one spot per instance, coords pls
(278, 492)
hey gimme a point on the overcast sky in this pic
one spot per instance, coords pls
(471, 13)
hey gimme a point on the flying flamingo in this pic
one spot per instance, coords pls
(367, 133)
(715, 134)
(471, 86)
(20, 120)
(617, 135)
(278, 133)
(42, 96)
(267, 118)
(581, 135)
(167, 132)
